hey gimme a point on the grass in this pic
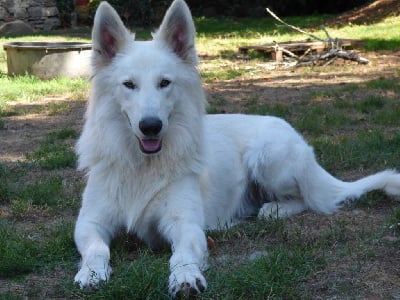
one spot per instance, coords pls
(17, 252)
(55, 152)
(366, 150)
(29, 88)
(352, 127)
(272, 277)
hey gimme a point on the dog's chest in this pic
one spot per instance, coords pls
(136, 196)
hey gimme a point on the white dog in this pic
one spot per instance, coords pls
(160, 168)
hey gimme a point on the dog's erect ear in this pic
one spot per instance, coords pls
(177, 31)
(109, 34)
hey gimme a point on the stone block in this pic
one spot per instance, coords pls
(3, 13)
(17, 27)
(51, 23)
(40, 12)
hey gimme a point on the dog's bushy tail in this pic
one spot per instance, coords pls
(324, 193)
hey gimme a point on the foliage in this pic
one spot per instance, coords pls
(65, 9)
(256, 8)
(136, 12)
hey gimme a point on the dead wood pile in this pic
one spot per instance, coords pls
(314, 51)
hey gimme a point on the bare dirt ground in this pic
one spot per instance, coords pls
(369, 13)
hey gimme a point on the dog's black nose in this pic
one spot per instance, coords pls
(150, 126)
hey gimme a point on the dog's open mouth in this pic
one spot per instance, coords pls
(150, 146)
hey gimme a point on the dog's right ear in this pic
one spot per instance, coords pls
(109, 35)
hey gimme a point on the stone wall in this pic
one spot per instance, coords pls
(40, 14)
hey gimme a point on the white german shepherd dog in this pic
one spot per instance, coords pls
(160, 168)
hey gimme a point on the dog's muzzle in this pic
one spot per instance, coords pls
(150, 127)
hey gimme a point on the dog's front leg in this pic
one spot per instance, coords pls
(92, 241)
(182, 225)
(93, 233)
(187, 260)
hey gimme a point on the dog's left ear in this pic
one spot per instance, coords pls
(177, 31)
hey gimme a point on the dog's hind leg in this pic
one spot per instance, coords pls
(276, 163)
(284, 165)
(281, 209)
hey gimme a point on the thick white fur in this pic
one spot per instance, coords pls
(210, 170)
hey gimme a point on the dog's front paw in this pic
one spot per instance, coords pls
(90, 278)
(186, 281)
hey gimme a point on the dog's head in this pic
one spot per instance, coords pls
(149, 80)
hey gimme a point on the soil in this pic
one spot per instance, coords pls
(368, 14)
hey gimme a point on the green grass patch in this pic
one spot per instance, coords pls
(278, 110)
(55, 152)
(60, 246)
(324, 95)
(370, 150)
(23, 195)
(226, 73)
(4, 185)
(275, 276)
(370, 104)
(29, 88)
(38, 249)
(17, 251)
(144, 278)
(43, 193)
(57, 108)
(384, 84)
(319, 119)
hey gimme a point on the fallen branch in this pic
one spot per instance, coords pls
(346, 55)
(293, 27)
(334, 45)
(331, 56)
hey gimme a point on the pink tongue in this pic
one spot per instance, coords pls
(151, 145)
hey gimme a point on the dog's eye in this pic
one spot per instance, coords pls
(164, 83)
(129, 84)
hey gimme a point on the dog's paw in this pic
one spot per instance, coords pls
(91, 278)
(272, 210)
(186, 281)
(282, 209)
